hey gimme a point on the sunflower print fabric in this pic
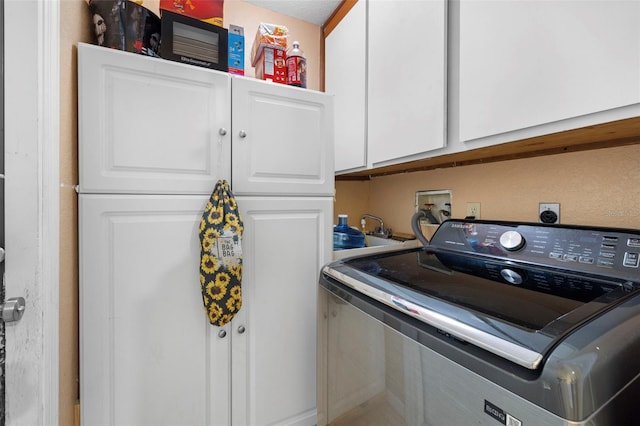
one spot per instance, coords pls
(221, 256)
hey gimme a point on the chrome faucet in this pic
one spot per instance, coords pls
(379, 231)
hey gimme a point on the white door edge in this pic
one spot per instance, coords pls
(49, 140)
(32, 119)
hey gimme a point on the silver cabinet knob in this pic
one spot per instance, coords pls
(1, 254)
(242, 134)
(222, 131)
(222, 334)
(13, 309)
(241, 329)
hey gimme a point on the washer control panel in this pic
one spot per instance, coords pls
(609, 251)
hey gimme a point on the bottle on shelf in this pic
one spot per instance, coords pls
(296, 66)
(345, 236)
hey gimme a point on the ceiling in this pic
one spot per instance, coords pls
(314, 11)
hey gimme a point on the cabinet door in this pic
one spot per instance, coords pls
(148, 355)
(346, 78)
(282, 139)
(148, 125)
(531, 63)
(407, 78)
(285, 244)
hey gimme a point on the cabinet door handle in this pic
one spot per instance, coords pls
(241, 329)
(222, 334)
(242, 134)
(222, 131)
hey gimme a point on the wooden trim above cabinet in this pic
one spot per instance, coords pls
(607, 135)
(337, 16)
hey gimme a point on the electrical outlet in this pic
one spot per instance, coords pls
(549, 213)
(473, 209)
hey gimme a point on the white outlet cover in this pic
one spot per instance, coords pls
(473, 209)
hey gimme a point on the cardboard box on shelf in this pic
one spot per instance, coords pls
(236, 50)
(210, 11)
(268, 35)
(271, 65)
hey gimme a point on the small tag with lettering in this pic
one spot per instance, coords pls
(228, 249)
(499, 414)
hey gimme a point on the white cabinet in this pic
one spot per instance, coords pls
(386, 65)
(406, 78)
(529, 68)
(148, 125)
(154, 137)
(273, 124)
(155, 126)
(273, 367)
(346, 77)
(148, 355)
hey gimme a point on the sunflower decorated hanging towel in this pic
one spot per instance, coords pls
(221, 256)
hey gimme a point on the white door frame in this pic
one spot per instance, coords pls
(32, 120)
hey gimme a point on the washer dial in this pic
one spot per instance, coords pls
(512, 240)
(511, 276)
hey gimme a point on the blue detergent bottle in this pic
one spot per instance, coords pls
(345, 236)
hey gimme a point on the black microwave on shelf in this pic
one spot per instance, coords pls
(192, 41)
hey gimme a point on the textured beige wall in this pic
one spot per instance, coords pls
(600, 188)
(74, 28)
(352, 198)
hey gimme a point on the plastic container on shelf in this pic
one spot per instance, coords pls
(345, 236)
(296, 66)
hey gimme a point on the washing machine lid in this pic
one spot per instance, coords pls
(517, 310)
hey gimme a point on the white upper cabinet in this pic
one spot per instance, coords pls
(536, 67)
(386, 66)
(272, 124)
(150, 125)
(345, 76)
(407, 78)
(160, 127)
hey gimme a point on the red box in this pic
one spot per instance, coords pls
(210, 11)
(272, 65)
